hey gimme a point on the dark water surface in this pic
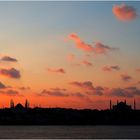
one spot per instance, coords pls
(69, 132)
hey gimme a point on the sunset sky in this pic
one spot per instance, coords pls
(69, 54)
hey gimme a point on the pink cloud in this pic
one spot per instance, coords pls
(10, 93)
(99, 90)
(124, 12)
(54, 92)
(79, 43)
(115, 67)
(110, 68)
(24, 88)
(106, 68)
(11, 73)
(85, 85)
(58, 70)
(78, 94)
(58, 89)
(57, 93)
(87, 63)
(88, 86)
(97, 47)
(100, 48)
(126, 77)
(8, 59)
(124, 92)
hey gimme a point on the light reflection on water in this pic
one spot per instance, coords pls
(69, 132)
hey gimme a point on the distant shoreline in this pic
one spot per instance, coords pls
(61, 116)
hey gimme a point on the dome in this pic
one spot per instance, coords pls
(19, 106)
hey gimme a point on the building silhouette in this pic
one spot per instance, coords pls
(11, 103)
(134, 104)
(26, 104)
(19, 107)
(122, 106)
(110, 105)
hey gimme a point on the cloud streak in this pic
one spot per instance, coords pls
(111, 68)
(24, 88)
(54, 92)
(57, 70)
(58, 92)
(86, 84)
(87, 63)
(10, 73)
(8, 59)
(125, 92)
(89, 90)
(79, 43)
(97, 47)
(10, 93)
(100, 48)
(126, 77)
(88, 87)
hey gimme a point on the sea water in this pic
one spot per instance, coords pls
(67, 132)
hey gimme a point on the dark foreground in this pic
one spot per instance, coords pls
(50, 132)
(60, 116)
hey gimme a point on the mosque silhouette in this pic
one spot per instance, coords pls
(120, 106)
(19, 105)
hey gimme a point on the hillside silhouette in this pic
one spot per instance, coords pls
(119, 114)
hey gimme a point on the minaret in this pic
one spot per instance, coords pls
(110, 105)
(117, 102)
(134, 105)
(26, 104)
(125, 101)
(11, 103)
